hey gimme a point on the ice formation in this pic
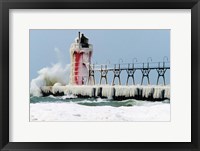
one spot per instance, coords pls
(107, 91)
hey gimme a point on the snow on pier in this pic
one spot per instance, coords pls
(117, 92)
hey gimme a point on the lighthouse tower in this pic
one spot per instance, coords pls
(80, 52)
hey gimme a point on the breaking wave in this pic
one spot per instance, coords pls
(49, 76)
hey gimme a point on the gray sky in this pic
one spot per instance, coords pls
(111, 45)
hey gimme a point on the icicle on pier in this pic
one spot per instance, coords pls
(83, 82)
(151, 92)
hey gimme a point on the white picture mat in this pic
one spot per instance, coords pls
(177, 130)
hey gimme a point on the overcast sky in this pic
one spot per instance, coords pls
(48, 47)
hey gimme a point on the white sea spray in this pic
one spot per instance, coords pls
(49, 76)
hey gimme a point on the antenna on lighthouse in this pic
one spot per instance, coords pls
(79, 38)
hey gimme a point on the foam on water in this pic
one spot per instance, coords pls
(99, 109)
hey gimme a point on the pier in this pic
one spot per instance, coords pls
(150, 92)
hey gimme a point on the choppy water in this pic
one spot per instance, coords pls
(94, 101)
(69, 108)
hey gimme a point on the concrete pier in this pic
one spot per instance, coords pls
(139, 92)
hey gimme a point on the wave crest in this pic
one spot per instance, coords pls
(49, 76)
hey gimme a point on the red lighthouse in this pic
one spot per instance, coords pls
(80, 52)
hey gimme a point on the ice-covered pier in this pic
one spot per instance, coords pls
(117, 92)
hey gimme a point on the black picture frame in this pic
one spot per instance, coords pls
(5, 5)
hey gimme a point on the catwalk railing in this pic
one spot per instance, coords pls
(131, 68)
